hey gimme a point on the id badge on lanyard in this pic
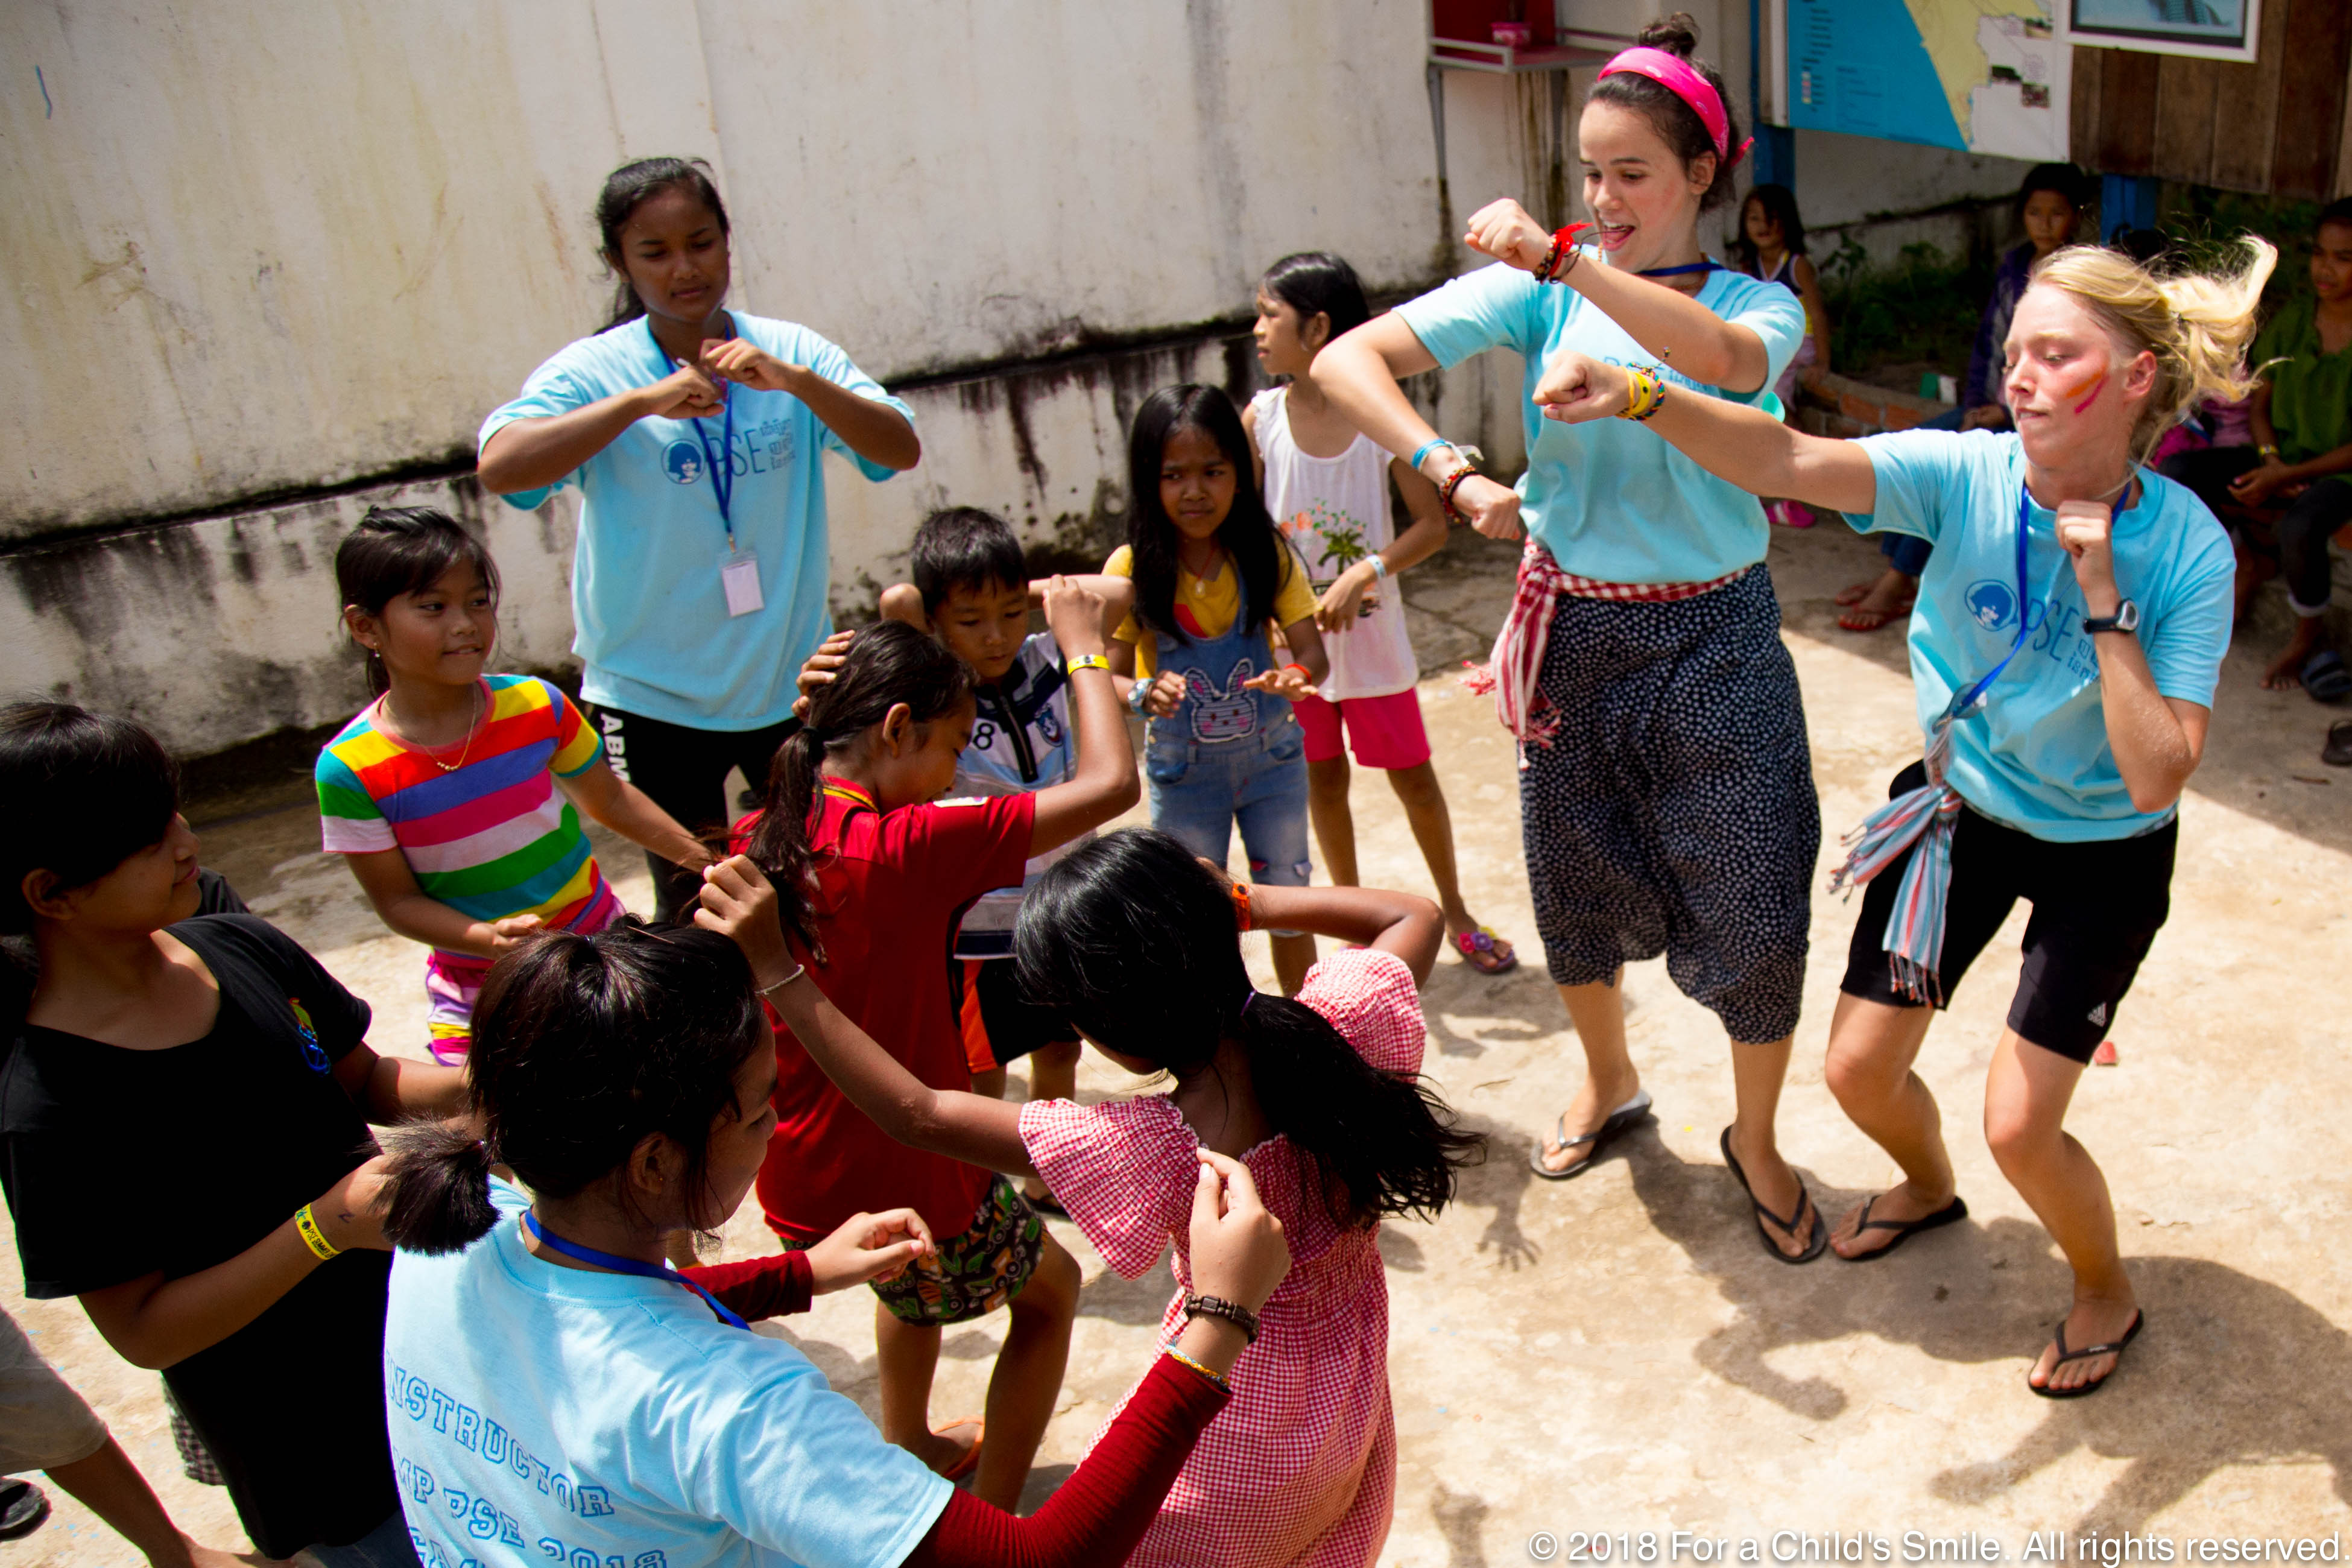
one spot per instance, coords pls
(738, 569)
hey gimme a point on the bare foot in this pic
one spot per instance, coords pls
(1903, 1205)
(946, 1448)
(1776, 1188)
(2285, 673)
(1853, 593)
(2092, 1322)
(1585, 1113)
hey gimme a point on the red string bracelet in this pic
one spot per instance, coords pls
(1563, 249)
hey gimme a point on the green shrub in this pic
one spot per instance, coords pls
(1923, 309)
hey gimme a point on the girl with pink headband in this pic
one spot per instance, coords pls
(1665, 784)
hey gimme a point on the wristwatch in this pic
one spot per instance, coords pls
(2125, 619)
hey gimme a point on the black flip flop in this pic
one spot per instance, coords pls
(1905, 1230)
(1819, 1242)
(2324, 677)
(1046, 1203)
(1625, 1116)
(2337, 752)
(2064, 1355)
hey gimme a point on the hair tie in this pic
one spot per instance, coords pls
(1678, 76)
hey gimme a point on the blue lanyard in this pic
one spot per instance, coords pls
(578, 1253)
(1705, 264)
(1973, 699)
(721, 468)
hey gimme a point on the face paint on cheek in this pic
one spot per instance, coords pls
(2098, 384)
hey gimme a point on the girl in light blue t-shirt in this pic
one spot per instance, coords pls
(694, 434)
(1666, 785)
(2065, 645)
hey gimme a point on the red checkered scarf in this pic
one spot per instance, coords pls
(1513, 671)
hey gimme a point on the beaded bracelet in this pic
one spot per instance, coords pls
(1232, 1312)
(1646, 394)
(1447, 490)
(1180, 1359)
(1563, 249)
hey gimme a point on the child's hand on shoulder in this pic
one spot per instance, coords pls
(822, 666)
(868, 1246)
(1074, 613)
(512, 933)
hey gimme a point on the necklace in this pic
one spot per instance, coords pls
(473, 718)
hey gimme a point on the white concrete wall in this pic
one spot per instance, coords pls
(273, 262)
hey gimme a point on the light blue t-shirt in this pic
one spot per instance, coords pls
(559, 1418)
(649, 610)
(2036, 758)
(1609, 499)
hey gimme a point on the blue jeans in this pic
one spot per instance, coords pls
(385, 1546)
(1200, 790)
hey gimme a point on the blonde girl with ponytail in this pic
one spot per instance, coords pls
(2064, 648)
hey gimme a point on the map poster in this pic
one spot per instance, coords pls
(1980, 75)
(2214, 29)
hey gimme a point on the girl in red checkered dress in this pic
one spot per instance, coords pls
(1139, 942)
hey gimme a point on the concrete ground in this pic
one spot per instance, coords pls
(1616, 1354)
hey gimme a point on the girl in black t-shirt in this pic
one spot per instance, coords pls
(184, 1139)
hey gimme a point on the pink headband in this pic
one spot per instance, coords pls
(1675, 74)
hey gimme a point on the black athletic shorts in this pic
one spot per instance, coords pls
(997, 1020)
(2096, 909)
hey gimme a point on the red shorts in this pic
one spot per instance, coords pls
(1383, 732)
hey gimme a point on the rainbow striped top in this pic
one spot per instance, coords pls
(492, 838)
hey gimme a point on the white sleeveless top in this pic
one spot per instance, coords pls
(1335, 510)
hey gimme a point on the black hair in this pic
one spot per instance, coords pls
(1675, 122)
(2338, 211)
(2063, 179)
(81, 792)
(1779, 205)
(1132, 939)
(964, 547)
(1247, 533)
(1316, 283)
(399, 549)
(887, 663)
(629, 187)
(584, 1047)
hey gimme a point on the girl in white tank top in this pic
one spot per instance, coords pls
(1335, 509)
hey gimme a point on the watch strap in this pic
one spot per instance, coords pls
(2125, 619)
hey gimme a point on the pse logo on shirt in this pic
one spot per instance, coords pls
(759, 451)
(1993, 605)
(682, 461)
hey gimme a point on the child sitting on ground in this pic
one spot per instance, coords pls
(441, 794)
(876, 874)
(1318, 1096)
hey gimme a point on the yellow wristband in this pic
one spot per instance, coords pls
(1089, 661)
(312, 1237)
(1180, 1359)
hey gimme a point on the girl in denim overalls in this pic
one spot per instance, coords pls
(1211, 577)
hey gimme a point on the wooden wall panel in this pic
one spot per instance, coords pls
(2311, 99)
(2244, 130)
(2185, 112)
(2083, 106)
(2127, 140)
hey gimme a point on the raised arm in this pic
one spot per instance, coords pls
(2157, 740)
(1358, 374)
(1400, 923)
(1104, 782)
(1730, 440)
(529, 454)
(1665, 322)
(738, 902)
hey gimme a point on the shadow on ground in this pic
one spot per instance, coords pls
(2232, 1370)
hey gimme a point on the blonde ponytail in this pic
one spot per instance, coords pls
(2198, 324)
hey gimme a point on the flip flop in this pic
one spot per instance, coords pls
(2064, 1355)
(1905, 1230)
(2323, 675)
(1633, 1110)
(971, 1460)
(2337, 752)
(1815, 1246)
(1484, 952)
(1046, 1203)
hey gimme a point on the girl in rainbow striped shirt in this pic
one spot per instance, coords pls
(442, 793)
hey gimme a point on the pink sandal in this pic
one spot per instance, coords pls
(1484, 952)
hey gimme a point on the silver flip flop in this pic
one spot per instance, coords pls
(1633, 1110)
